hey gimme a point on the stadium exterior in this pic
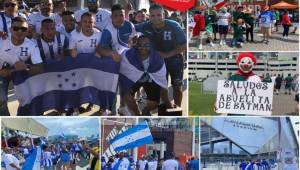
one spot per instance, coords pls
(205, 64)
(227, 141)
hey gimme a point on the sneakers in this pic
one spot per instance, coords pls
(211, 44)
(200, 47)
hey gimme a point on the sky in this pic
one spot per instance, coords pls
(83, 127)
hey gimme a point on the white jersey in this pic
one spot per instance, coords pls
(35, 20)
(123, 164)
(223, 18)
(61, 29)
(10, 159)
(84, 44)
(102, 17)
(170, 164)
(57, 46)
(152, 165)
(142, 164)
(10, 53)
(5, 21)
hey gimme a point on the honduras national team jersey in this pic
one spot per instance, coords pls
(165, 39)
(84, 44)
(36, 19)
(117, 38)
(9, 53)
(53, 50)
(5, 21)
(266, 18)
(102, 17)
(121, 164)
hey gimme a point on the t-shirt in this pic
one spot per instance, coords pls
(61, 29)
(249, 19)
(238, 31)
(94, 163)
(102, 17)
(36, 19)
(122, 164)
(266, 18)
(146, 63)
(152, 165)
(9, 159)
(142, 164)
(238, 15)
(289, 80)
(84, 44)
(10, 53)
(57, 46)
(165, 39)
(223, 18)
(170, 164)
(117, 38)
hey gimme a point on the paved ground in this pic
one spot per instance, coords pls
(284, 104)
(13, 103)
(276, 43)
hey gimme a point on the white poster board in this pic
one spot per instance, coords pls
(244, 97)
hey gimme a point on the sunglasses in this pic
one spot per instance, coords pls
(143, 46)
(17, 29)
(7, 5)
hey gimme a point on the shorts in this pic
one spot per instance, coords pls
(174, 66)
(223, 29)
(215, 28)
(277, 86)
(266, 30)
(151, 88)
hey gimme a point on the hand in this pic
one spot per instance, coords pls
(3, 35)
(132, 41)
(5, 72)
(116, 56)
(73, 53)
(20, 65)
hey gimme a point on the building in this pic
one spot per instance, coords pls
(205, 64)
(228, 140)
(170, 135)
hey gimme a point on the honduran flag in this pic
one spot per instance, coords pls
(33, 161)
(132, 69)
(68, 83)
(136, 136)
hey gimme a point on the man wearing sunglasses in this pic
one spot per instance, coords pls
(102, 16)
(17, 53)
(10, 11)
(142, 66)
(35, 19)
(169, 40)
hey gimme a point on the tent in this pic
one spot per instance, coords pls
(28, 125)
(283, 5)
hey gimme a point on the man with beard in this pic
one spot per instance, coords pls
(102, 16)
(35, 19)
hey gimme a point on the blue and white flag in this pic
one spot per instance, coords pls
(33, 161)
(68, 83)
(136, 136)
(132, 69)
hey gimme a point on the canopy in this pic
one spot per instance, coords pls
(283, 5)
(28, 125)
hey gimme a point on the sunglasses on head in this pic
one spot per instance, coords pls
(17, 29)
(10, 5)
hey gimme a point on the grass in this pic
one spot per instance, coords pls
(200, 103)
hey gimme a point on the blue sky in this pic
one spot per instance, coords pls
(83, 127)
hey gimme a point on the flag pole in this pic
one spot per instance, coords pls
(135, 150)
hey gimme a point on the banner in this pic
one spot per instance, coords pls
(244, 97)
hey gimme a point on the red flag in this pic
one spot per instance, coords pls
(180, 5)
(220, 4)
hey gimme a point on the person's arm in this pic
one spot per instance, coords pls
(94, 153)
(174, 52)
(104, 48)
